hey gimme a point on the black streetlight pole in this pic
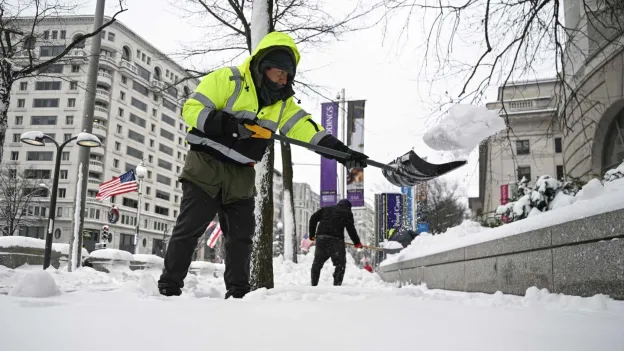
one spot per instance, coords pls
(36, 138)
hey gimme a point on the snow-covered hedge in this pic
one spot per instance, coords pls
(549, 194)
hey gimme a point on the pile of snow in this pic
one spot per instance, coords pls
(37, 283)
(113, 254)
(22, 241)
(464, 128)
(391, 245)
(64, 249)
(153, 259)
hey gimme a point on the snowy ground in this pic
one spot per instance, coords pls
(122, 311)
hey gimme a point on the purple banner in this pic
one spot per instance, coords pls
(329, 176)
(394, 211)
(355, 141)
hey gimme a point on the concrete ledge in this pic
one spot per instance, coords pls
(601, 226)
(15, 256)
(569, 258)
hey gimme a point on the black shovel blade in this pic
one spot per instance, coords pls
(410, 169)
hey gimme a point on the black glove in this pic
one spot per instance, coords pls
(356, 159)
(234, 128)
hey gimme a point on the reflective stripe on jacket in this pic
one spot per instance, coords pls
(232, 90)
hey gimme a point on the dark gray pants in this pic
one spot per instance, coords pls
(238, 223)
(329, 247)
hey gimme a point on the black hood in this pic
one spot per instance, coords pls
(344, 203)
(267, 91)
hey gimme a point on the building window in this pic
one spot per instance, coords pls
(67, 136)
(119, 129)
(39, 156)
(69, 120)
(130, 151)
(116, 163)
(558, 145)
(122, 95)
(169, 105)
(164, 164)
(162, 195)
(73, 85)
(121, 112)
(148, 190)
(46, 34)
(21, 103)
(71, 102)
(124, 80)
(48, 86)
(167, 134)
(136, 136)
(23, 86)
(166, 149)
(62, 193)
(137, 120)
(54, 34)
(129, 166)
(130, 202)
(151, 143)
(139, 104)
(117, 146)
(146, 206)
(170, 121)
(75, 69)
(150, 158)
(65, 156)
(524, 172)
(63, 174)
(43, 103)
(111, 36)
(522, 147)
(560, 174)
(19, 120)
(161, 210)
(52, 69)
(43, 120)
(63, 34)
(14, 155)
(162, 179)
(140, 88)
(52, 50)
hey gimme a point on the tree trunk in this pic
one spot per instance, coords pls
(5, 101)
(262, 254)
(287, 172)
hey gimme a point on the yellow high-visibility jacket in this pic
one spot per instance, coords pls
(232, 90)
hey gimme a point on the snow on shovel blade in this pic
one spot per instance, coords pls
(410, 169)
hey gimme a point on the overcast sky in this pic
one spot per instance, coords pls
(380, 69)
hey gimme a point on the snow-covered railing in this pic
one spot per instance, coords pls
(16, 251)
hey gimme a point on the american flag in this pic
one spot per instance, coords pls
(216, 234)
(125, 183)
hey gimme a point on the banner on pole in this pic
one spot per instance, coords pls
(329, 181)
(408, 206)
(355, 141)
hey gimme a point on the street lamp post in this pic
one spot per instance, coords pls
(36, 138)
(140, 173)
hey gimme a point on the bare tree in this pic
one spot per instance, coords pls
(20, 197)
(444, 208)
(515, 39)
(19, 37)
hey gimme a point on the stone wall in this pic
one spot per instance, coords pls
(583, 258)
(15, 256)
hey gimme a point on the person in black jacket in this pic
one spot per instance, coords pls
(330, 243)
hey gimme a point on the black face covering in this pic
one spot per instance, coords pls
(268, 91)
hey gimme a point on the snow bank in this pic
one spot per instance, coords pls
(22, 241)
(64, 249)
(590, 201)
(112, 254)
(37, 283)
(153, 259)
(464, 128)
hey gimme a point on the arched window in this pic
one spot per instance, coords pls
(127, 53)
(613, 149)
(187, 92)
(157, 73)
(81, 44)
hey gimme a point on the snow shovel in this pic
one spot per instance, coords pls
(367, 247)
(407, 170)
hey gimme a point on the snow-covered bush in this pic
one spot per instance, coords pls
(615, 173)
(531, 201)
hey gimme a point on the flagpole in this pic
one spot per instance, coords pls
(140, 173)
